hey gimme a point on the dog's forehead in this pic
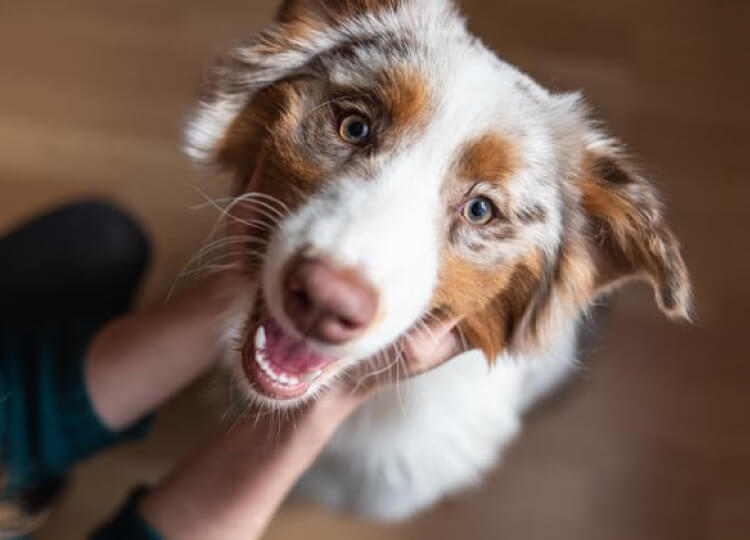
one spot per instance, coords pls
(467, 83)
(460, 92)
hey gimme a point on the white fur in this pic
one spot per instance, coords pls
(434, 435)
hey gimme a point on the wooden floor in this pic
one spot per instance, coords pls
(653, 441)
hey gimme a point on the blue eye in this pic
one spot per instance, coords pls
(479, 211)
(355, 129)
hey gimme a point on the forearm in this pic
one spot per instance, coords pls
(232, 488)
(139, 361)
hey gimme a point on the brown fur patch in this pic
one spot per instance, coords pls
(465, 287)
(406, 96)
(491, 158)
(490, 302)
(240, 144)
(496, 326)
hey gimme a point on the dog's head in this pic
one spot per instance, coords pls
(398, 171)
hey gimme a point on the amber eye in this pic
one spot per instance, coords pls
(479, 211)
(355, 129)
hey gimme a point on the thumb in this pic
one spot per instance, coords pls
(430, 346)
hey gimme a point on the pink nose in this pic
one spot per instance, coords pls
(330, 304)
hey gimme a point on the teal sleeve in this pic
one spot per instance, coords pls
(128, 524)
(47, 421)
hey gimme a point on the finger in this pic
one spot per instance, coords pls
(427, 348)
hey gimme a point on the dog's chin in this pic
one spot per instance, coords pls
(282, 370)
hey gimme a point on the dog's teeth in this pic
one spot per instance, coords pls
(271, 373)
(310, 376)
(260, 338)
(262, 360)
(259, 359)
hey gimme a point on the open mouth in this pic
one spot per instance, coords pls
(280, 366)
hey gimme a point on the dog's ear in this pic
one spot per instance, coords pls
(627, 232)
(237, 80)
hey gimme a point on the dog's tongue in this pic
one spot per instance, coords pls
(291, 355)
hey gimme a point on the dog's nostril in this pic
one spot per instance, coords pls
(302, 299)
(348, 324)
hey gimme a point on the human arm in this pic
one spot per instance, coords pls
(139, 361)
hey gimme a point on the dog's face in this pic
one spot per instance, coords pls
(398, 172)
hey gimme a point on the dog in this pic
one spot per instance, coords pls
(402, 173)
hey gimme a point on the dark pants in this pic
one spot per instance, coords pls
(82, 261)
(79, 263)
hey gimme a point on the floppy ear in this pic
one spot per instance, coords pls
(279, 52)
(628, 235)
